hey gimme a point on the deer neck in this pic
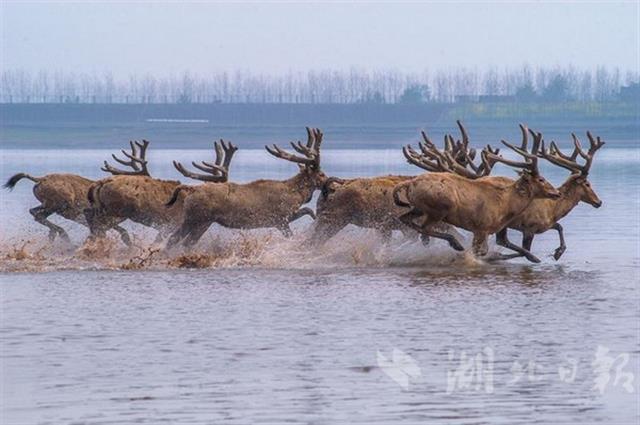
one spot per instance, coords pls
(303, 184)
(569, 198)
(520, 196)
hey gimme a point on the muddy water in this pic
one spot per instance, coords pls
(251, 328)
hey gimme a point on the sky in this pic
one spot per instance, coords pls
(163, 38)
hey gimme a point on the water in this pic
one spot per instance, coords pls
(269, 333)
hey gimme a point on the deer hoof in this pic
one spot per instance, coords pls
(532, 258)
(558, 253)
(424, 239)
(456, 245)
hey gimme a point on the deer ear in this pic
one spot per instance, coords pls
(525, 174)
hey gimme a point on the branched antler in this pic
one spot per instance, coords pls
(455, 157)
(310, 151)
(530, 158)
(137, 161)
(569, 162)
(218, 171)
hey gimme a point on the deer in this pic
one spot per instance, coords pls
(483, 206)
(65, 195)
(133, 194)
(258, 204)
(368, 202)
(543, 214)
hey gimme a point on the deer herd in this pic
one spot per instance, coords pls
(456, 191)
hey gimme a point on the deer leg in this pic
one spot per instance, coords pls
(527, 240)
(502, 240)
(40, 214)
(426, 229)
(479, 244)
(409, 217)
(453, 242)
(424, 238)
(502, 257)
(195, 234)
(325, 228)
(124, 235)
(302, 212)
(429, 230)
(176, 237)
(95, 221)
(180, 233)
(285, 229)
(408, 220)
(560, 250)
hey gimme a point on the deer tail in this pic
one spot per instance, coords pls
(93, 196)
(176, 194)
(396, 194)
(11, 183)
(326, 187)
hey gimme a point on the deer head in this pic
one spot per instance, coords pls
(137, 161)
(308, 158)
(218, 171)
(579, 173)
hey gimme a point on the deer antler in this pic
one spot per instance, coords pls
(455, 158)
(531, 158)
(217, 172)
(310, 152)
(137, 160)
(556, 157)
(427, 162)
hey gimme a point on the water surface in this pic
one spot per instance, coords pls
(269, 333)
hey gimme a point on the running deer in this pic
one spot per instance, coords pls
(135, 195)
(482, 206)
(259, 204)
(62, 194)
(368, 202)
(544, 214)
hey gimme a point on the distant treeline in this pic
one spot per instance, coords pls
(525, 84)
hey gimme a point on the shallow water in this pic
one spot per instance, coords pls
(261, 331)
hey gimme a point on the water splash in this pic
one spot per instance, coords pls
(228, 249)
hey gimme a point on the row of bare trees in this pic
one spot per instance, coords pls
(325, 86)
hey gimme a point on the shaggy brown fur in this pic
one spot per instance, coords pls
(364, 202)
(544, 214)
(483, 206)
(259, 204)
(65, 195)
(138, 198)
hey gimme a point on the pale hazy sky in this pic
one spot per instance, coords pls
(163, 38)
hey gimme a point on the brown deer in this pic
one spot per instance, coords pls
(482, 206)
(135, 195)
(368, 202)
(543, 214)
(62, 194)
(259, 204)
